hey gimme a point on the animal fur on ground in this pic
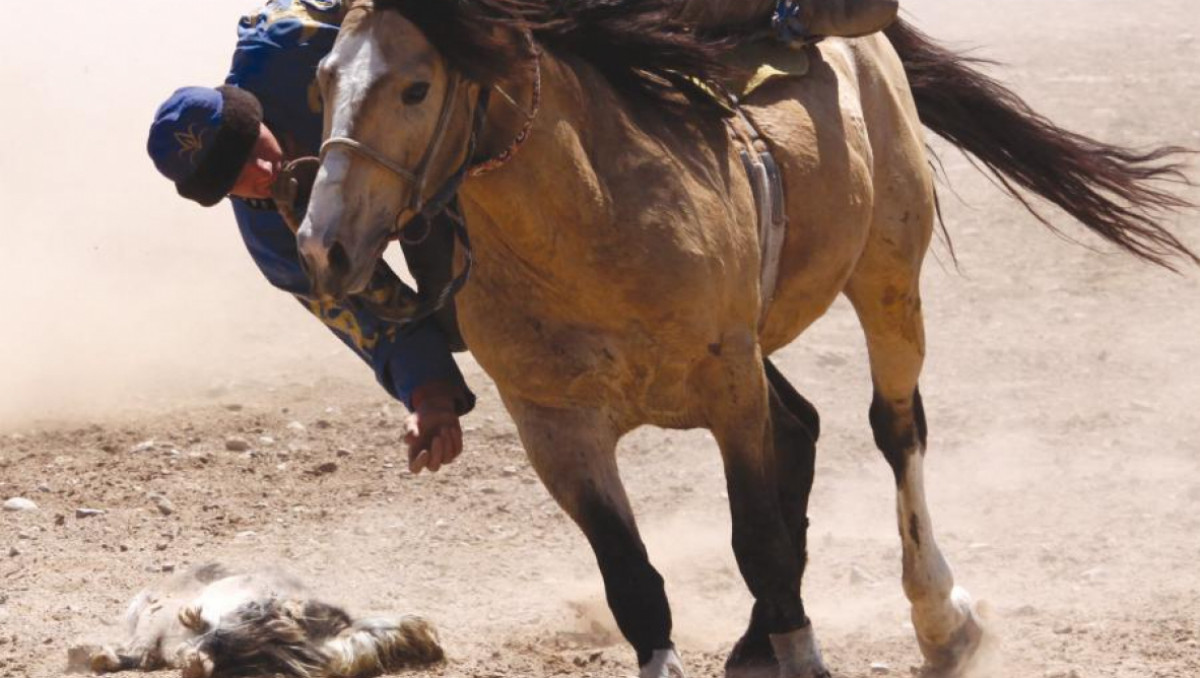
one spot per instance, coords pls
(212, 622)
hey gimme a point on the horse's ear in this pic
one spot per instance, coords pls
(517, 45)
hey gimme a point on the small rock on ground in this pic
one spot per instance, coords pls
(19, 504)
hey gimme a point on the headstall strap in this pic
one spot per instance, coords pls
(500, 159)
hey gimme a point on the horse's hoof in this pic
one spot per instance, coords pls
(954, 658)
(664, 664)
(798, 654)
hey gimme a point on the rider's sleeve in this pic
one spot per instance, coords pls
(403, 359)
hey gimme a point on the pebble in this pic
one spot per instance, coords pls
(88, 512)
(168, 567)
(163, 504)
(43, 488)
(296, 426)
(322, 469)
(234, 407)
(509, 471)
(343, 452)
(880, 668)
(13, 552)
(266, 440)
(144, 446)
(237, 445)
(322, 423)
(19, 504)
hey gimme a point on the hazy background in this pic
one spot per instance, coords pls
(119, 293)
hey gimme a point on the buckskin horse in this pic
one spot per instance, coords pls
(617, 266)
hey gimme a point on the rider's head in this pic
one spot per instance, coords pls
(213, 143)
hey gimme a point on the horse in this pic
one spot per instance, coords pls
(214, 622)
(616, 262)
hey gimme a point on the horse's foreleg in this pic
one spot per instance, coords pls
(947, 628)
(574, 453)
(762, 544)
(795, 426)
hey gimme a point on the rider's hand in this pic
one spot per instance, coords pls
(434, 436)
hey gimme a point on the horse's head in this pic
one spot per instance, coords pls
(398, 124)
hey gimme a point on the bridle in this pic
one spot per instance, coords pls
(417, 176)
(441, 200)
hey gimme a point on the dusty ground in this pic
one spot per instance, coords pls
(1062, 387)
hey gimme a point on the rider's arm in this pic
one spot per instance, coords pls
(403, 359)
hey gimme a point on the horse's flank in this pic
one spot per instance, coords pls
(636, 231)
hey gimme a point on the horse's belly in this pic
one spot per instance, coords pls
(639, 374)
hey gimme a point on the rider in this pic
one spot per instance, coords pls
(232, 140)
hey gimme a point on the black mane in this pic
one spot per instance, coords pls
(639, 45)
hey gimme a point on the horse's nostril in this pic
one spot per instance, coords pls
(339, 261)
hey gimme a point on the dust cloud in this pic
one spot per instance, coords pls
(120, 294)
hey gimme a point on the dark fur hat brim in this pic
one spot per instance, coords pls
(241, 117)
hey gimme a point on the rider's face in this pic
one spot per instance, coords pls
(261, 167)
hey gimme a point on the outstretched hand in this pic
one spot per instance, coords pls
(433, 435)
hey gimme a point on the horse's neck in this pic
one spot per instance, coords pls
(538, 205)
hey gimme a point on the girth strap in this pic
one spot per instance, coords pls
(766, 183)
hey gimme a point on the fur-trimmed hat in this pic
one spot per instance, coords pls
(201, 138)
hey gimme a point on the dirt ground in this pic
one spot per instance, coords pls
(1062, 386)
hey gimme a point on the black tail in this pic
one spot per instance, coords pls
(1109, 189)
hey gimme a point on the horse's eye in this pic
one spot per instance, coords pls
(415, 93)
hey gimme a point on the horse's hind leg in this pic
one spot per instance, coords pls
(574, 453)
(889, 308)
(795, 426)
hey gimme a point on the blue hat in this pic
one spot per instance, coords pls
(201, 137)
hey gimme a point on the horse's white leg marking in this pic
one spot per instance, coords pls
(798, 654)
(664, 664)
(937, 606)
(941, 612)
